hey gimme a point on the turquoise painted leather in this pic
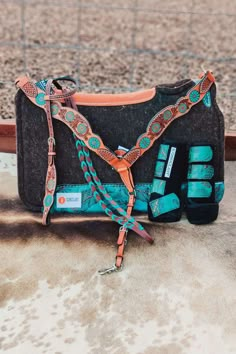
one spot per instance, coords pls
(200, 171)
(164, 204)
(159, 169)
(158, 186)
(200, 154)
(207, 100)
(163, 152)
(199, 189)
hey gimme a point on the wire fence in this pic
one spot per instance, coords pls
(121, 45)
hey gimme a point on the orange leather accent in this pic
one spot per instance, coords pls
(211, 76)
(119, 164)
(127, 179)
(21, 81)
(121, 242)
(104, 99)
(120, 152)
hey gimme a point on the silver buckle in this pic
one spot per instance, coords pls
(112, 269)
(122, 228)
(51, 140)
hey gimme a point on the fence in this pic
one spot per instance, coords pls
(120, 45)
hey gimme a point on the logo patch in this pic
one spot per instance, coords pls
(69, 200)
(170, 162)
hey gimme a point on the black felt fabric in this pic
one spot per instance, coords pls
(117, 125)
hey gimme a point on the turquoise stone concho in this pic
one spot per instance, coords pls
(94, 143)
(70, 116)
(144, 142)
(182, 108)
(82, 128)
(40, 99)
(48, 200)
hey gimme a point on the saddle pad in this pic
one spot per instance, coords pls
(119, 124)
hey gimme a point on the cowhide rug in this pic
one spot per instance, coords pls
(175, 297)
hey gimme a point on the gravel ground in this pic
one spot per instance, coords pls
(171, 40)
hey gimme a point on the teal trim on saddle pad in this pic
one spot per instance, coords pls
(87, 204)
(78, 199)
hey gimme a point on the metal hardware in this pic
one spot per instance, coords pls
(122, 228)
(51, 140)
(112, 269)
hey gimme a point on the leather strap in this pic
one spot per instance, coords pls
(64, 93)
(51, 177)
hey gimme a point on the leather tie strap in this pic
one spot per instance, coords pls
(51, 177)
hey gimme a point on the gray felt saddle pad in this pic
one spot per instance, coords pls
(117, 126)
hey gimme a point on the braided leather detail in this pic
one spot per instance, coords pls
(86, 165)
(124, 219)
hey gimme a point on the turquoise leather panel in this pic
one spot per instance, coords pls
(200, 171)
(163, 152)
(219, 191)
(207, 99)
(42, 84)
(158, 186)
(159, 169)
(164, 204)
(199, 189)
(117, 191)
(200, 153)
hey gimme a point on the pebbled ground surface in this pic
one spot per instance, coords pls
(120, 48)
